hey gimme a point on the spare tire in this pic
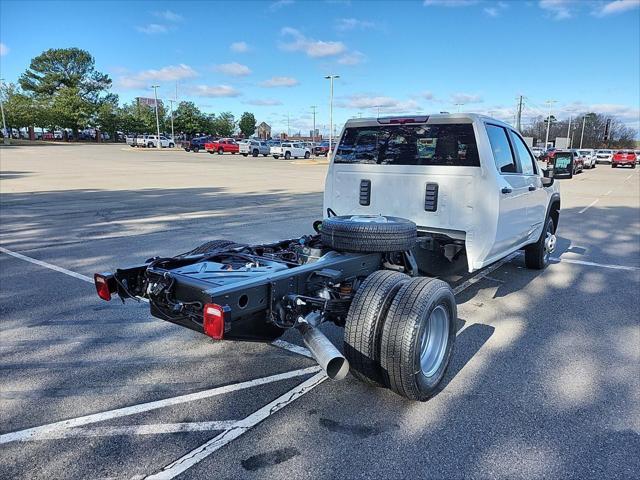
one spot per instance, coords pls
(368, 233)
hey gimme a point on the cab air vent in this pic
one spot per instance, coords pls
(431, 197)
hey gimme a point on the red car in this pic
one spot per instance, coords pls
(221, 146)
(624, 157)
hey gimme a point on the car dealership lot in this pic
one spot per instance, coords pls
(544, 380)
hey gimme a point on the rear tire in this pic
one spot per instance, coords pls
(536, 256)
(364, 324)
(287, 155)
(418, 337)
(255, 153)
(220, 151)
(195, 149)
(307, 154)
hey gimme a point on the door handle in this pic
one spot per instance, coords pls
(506, 190)
(532, 188)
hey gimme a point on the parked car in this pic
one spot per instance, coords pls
(288, 150)
(322, 149)
(588, 157)
(196, 144)
(624, 158)
(566, 162)
(224, 145)
(439, 187)
(131, 140)
(637, 152)
(537, 152)
(151, 141)
(254, 147)
(604, 156)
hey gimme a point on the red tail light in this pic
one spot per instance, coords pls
(213, 321)
(102, 286)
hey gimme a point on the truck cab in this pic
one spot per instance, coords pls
(469, 182)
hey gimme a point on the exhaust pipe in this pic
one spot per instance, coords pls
(325, 353)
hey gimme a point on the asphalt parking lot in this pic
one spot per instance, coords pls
(544, 382)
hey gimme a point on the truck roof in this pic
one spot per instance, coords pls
(424, 118)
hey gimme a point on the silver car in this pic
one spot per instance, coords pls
(254, 147)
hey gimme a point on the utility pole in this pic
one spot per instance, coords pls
(4, 123)
(584, 120)
(546, 141)
(569, 130)
(519, 115)
(171, 102)
(331, 78)
(313, 132)
(288, 129)
(458, 105)
(155, 94)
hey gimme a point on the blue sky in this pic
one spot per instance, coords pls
(407, 56)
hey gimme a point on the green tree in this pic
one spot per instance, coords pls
(188, 119)
(63, 68)
(224, 125)
(247, 124)
(70, 110)
(20, 110)
(109, 117)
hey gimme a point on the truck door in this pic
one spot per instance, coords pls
(536, 197)
(513, 224)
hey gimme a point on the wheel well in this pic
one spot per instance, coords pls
(554, 213)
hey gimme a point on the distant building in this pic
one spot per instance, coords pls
(263, 131)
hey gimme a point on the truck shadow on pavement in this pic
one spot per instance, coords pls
(542, 382)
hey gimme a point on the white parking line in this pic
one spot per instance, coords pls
(79, 276)
(29, 433)
(594, 264)
(203, 451)
(589, 206)
(149, 429)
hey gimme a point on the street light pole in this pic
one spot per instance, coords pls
(569, 131)
(546, 141)
(313, 132)
(155, 94)
(4, 123)
(331, 78)
(171, 102)
(584, 120)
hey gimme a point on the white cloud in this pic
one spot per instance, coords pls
(153, 28)
(239, 47)
(169, 16)
(142, 79)
(233, 69)
(352, 58)
(465, 98)
(3, 49)
(375, 102)
(279, 4)
(214, 91)
(617, 6)
(264, 102)
(561, 9)
(280, 82)
(344, 24)
(313, 48)
(449, 3)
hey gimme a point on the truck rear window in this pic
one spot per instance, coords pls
(437, 144)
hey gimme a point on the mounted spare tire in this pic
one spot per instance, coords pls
(368, 233)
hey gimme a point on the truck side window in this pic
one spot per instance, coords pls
(526, 159)
(501, 148)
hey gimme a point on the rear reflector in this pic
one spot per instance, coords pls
(213, 321)
(102, 286)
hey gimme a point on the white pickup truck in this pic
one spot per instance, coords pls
(288, 150)
(469, 182)
(151, 141)
(401, 194)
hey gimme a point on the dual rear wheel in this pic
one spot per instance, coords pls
(400, 333)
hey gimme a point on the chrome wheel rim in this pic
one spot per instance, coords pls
(433, 343)
(549, 242)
